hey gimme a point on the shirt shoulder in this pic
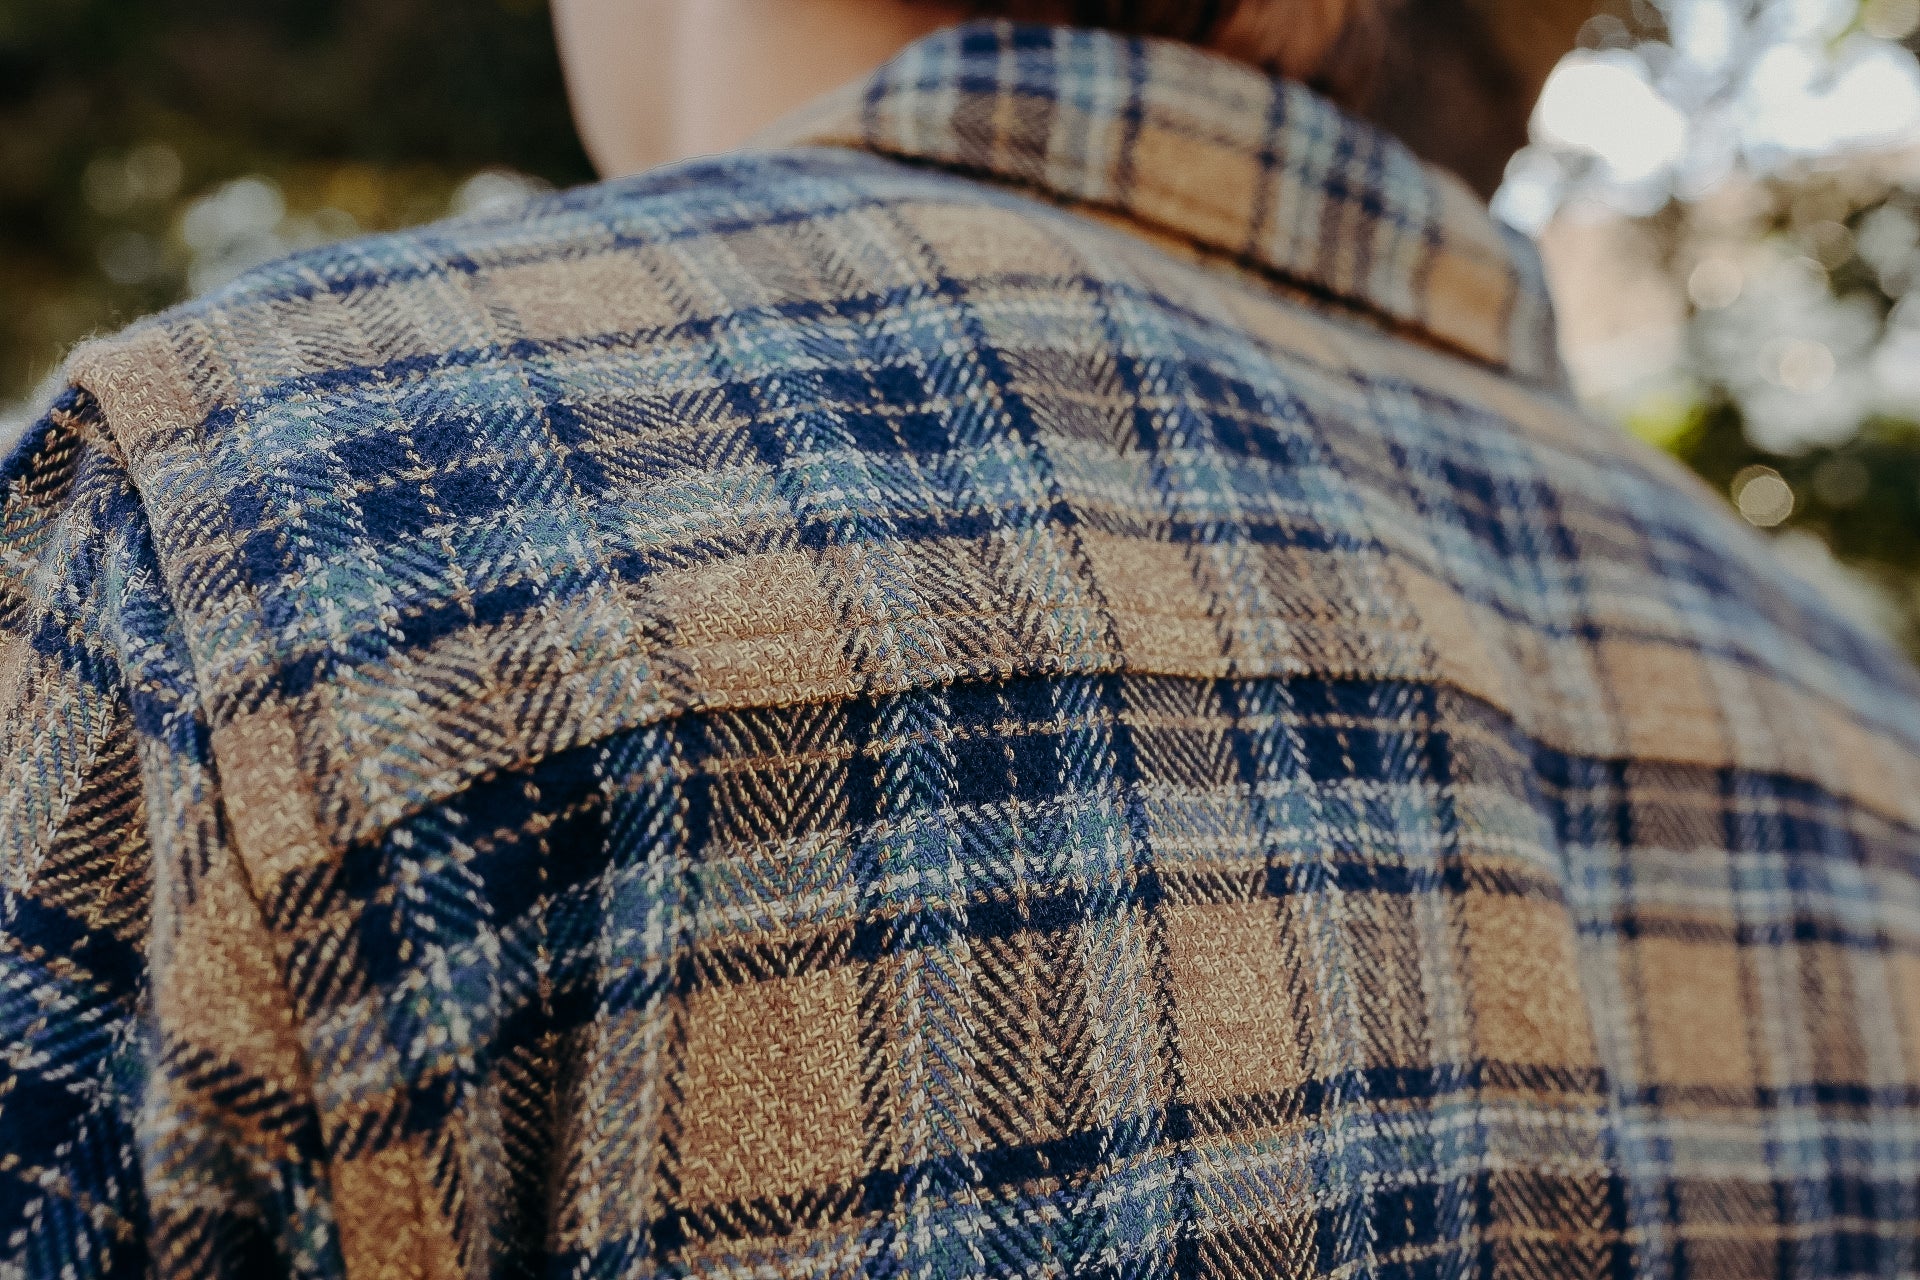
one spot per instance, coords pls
(437, 503)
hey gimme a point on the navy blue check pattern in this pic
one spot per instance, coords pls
(1035, 677)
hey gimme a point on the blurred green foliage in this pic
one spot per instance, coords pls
(1861, 498)
(1850, 240)
(152, 148)
(116, 115)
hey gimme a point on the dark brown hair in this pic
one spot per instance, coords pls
(1335, 45)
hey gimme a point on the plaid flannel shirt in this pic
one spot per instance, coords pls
(1037, 677)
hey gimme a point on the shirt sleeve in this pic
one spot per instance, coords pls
(154, 1113)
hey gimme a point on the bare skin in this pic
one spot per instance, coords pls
(658, 80)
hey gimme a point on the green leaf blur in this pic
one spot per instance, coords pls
(116, 116)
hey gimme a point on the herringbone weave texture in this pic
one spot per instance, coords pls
(1036, 679)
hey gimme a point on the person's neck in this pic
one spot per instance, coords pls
(740, 65)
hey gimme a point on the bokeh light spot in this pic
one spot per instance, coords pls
(1841, 482)
(1762, 496)
(1606, 104)
(1804, 365)
(1715, 283)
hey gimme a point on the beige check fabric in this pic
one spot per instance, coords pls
(1035, 678)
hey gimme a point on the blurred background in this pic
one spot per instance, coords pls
(1727, 191)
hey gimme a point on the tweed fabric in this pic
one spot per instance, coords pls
(1034, 679)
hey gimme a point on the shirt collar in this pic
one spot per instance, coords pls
(1218, 153)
